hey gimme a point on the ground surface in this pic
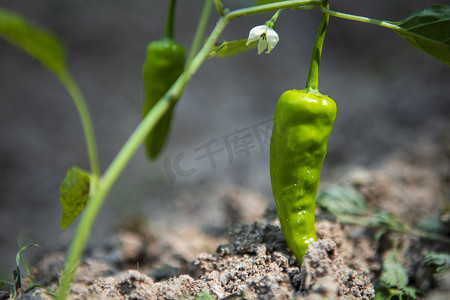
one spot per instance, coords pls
(233, 247)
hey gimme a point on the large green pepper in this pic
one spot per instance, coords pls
(164, 63)
(302, 124)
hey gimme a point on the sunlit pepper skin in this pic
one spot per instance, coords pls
(163, 64)
(302, 125)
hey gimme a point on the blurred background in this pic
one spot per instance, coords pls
(390, 97)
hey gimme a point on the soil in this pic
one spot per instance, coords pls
(233, 247)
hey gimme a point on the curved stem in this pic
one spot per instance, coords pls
(270, 7)
(219, 7)
(204, 17)
(86, 122)
(313, 74)
(276, 15)
(383, 23)
(170, 20)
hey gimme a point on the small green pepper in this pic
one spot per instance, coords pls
(302, 124)
(164, 63)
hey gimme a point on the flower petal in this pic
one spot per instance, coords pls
(262, 44)
(258, 30)
(255, 33)
(272, 38)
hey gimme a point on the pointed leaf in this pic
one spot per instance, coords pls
(431, 223)
(227, 49)
(388, 222)
(21, 250)
(393, 282)
(394, 275)
(36, 41)
(17, 275)
(428, 30)
(342, 200)
(441, 261)
(73, 195)
(205, 295)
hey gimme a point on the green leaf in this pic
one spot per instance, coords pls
(387, 221)
(36, 41)
(394, 280)
(383, 294)
(394, 275)
(21, 250)
(205, 295)
(227, 49)
(432, 224)
(411, 293)
(17, 279)
(342, 200)
(73, 195)
(428, 30)
(440, 261)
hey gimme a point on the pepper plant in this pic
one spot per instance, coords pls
(302, 123)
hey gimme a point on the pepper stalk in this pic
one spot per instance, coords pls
(312, 82)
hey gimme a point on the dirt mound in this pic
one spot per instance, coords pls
(185, 256)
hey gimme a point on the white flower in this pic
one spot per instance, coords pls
(266, 37)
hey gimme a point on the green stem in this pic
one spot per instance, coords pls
(430, 235)
(313, 74)
(386, 24)
(219, 7)
(270, 7)
(271, 23)
(170, 19)
(204, 17)
(123, 157)
(86, 122)
(276, 15)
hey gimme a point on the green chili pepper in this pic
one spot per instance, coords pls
(302, 124)
(164, 63)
